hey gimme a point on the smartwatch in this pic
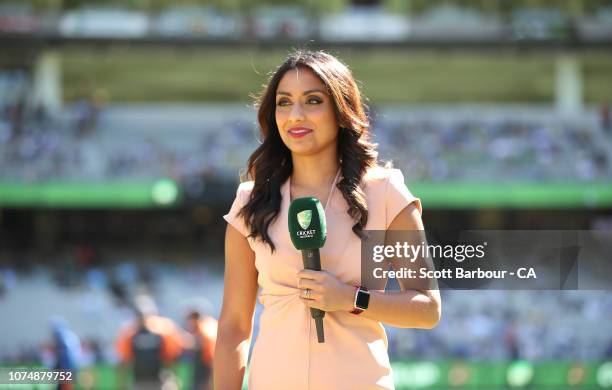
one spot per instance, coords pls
(362, 300)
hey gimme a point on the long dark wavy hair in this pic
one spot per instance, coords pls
(270, 165)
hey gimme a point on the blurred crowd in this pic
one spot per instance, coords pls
(513, 145)
(137, 316)
(476, 325)
(36, 144)
(511, 325)
(90, 140)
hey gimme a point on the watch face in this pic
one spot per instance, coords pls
(363, 299)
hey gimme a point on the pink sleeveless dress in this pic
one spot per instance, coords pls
(286, 354)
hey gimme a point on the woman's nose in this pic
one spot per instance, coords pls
(297, 113)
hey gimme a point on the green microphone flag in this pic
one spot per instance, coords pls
(307, 223)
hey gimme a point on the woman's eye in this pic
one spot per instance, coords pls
(311, 100)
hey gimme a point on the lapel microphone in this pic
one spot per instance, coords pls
(308, 232)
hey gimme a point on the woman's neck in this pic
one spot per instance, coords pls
(314, 171)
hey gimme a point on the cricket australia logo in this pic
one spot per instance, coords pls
(304, 218)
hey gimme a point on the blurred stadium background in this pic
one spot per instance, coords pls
(124, 125)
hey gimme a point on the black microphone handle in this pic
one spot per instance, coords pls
(312, 261)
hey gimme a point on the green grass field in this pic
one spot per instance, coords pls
(387, 76)
(410, 375)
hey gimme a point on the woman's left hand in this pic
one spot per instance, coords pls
(327, 292)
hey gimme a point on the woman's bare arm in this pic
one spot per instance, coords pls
(416, 306)
(413, 307)
(236, 320)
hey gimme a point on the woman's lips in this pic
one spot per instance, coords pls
(299, 132)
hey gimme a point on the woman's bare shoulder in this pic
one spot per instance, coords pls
(245, 188)
(379, 175)
(246, 185)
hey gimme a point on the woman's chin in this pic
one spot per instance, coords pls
(303, 149)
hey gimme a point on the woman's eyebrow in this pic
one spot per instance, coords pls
(305, 92)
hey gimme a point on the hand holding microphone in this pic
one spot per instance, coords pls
(326, 292)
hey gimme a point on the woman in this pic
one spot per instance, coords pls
(315, 143)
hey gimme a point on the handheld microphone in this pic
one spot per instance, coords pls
(308, 232)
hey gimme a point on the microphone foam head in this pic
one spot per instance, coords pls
(307, 226)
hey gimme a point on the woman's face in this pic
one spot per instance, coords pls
(305, 113)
